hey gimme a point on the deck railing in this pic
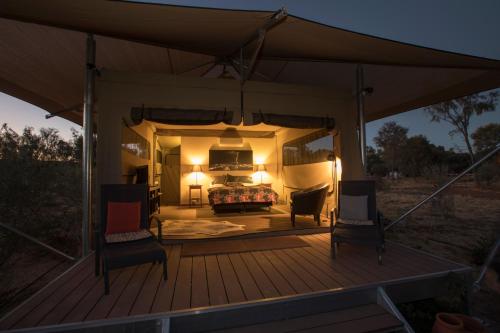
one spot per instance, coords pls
(444, 187)
(36, 241)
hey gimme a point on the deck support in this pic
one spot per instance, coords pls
(360, 92)
(87, 158)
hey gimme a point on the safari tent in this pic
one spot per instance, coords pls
(179, 89)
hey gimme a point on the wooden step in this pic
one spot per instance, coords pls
(365, 318)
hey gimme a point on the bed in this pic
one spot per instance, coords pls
(239, 194)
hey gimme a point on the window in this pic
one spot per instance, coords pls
(312, 148)
(135, 144)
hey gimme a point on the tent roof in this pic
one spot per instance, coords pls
(42, 51)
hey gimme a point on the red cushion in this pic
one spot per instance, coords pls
(123, 217)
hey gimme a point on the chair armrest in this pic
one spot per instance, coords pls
(159, 225)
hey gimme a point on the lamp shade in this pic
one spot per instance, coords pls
(261, 167)
(196, 168)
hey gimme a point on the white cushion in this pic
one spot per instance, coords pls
(354, 207)
(127, 236)
(355, 222)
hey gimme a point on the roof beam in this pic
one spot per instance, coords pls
(259, 36)
(275, 19)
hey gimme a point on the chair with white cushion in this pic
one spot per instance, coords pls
(356, 219)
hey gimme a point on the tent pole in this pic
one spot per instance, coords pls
(87, 144)
(361, 113)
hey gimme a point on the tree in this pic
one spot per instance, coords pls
(486, 138)
(458, 113)
(374, 163)
(416, 156)
(391, 138)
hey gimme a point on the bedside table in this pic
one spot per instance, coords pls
(193, 200)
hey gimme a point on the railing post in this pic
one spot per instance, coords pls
(87, 158)
(491, 256)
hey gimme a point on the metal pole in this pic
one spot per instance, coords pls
(494, 250)
(242, 81)
(361, 113)
(36, 241)
(88, 144)
(445, 186)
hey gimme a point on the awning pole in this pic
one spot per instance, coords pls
(88, 144)
(361, 113)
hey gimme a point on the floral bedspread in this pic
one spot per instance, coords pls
(241, 194)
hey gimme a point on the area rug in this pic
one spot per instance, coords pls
(241, 245)
(198, 227)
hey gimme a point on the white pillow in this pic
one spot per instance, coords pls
(353, 207)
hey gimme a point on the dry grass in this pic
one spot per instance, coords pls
(453, 225)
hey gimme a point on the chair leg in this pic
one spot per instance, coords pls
(165, 273)
(293, 219)
(317, 219)
(379, 255)
(106, 280)
(97, 264)
(334, 249)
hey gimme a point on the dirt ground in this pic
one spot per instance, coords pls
(460, 224)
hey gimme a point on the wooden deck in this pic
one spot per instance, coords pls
(206, 281)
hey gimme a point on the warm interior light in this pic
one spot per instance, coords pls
(196, 161)
(196, 168)
(261, 169)
(259, 160)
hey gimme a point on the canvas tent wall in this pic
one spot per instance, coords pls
(118, 93)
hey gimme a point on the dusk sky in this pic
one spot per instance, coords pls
(469, 27)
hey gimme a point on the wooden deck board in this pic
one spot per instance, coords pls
(287, 273)
(199, 295)
(182, 292)
(246, 280)
(282, 285)
(220, 279)
(129, 295)
(233, 287)
(106, 303)
(40, 312)
(265, 285)
(165, 293)
(216, 292)
(147, 294)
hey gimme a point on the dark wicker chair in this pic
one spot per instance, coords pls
(127, 253)
(352, 233)
(309, 201)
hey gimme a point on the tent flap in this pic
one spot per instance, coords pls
(290, 121)
(184, 117)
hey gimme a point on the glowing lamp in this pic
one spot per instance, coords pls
(261, 168)
(196, 168)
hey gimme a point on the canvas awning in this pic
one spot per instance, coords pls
(42, 50)
(185, 116)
